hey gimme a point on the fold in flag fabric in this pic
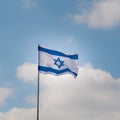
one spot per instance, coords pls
(56, 62)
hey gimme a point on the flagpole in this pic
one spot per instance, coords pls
(38, 89)
(38, 99)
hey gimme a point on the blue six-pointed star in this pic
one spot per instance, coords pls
(58, 62)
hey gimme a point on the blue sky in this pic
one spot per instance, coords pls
(89, 28)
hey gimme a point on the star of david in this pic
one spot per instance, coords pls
(58, 62)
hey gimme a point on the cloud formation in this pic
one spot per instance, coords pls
(70, 40)
(94, 95)
(32, 99)
(27, 72)
(101, 14)
(4, 94)
(19, 114)
(28, 4)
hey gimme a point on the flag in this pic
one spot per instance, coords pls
(56, 62)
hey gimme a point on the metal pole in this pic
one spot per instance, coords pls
(38, 89)
(38, 99)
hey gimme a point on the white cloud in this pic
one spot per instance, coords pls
(32, 99)
(27, 72)
(70, 40)
(4, 94)
(94, 95)
(28, 4)
(19, 114)
(102, 14)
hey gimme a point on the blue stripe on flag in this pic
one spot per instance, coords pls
(49, 69)
(54, 52)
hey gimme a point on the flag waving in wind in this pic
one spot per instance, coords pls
(56, 62)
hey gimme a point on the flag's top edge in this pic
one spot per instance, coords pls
(57, 53)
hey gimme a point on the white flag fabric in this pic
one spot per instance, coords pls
(57, 63)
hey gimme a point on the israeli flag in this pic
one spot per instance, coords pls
(57, 63)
